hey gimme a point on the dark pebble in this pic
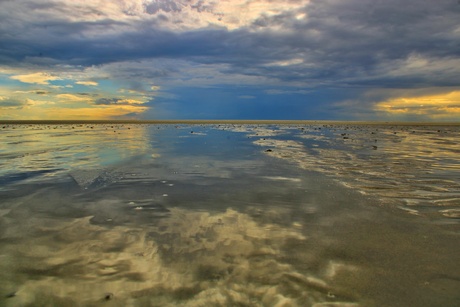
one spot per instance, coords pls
(268, 150)
(108, 296)
(374, 147)
(10, 295)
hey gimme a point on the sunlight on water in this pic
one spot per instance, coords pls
(414, 167)
(28, 151)
(229, 215)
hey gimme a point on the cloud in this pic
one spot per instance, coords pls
(10, 103)
(118, 101)
(70, 98)
(286, 62)
(37, 78)
(33, 103)
(285, 47)
(353, 42)
(437, 106)
(50, 112)
(87, 83)
(101, 112)
(285, 91)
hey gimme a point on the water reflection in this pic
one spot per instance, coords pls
(416, 168)
(57, 149)
(211, 218)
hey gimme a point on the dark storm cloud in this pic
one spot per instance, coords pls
(355, 41)
(341, 43)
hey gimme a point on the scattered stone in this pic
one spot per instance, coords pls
(268, 150)
(10, 295)
(374, 147)
(108, 296)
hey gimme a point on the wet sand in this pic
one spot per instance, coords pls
(211, 218)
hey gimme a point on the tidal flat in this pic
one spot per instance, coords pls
(229, 214)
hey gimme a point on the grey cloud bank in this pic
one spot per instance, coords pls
(307, 45)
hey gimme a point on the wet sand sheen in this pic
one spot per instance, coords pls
(259, 254)
(179, 226)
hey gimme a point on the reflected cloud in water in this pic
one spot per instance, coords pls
(229, 215)
(63, 148)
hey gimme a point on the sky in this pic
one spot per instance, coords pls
(382, 60)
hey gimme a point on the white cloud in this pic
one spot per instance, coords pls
(87, 83)
(36, 78)
(173, 14)
(286, 62)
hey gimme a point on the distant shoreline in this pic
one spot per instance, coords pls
(225, 121)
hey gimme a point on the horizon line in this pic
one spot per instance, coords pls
(225, 121)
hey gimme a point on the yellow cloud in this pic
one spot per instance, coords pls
(87, 83)
(32, 102)
(36, 110)
(100, 112)
(445, 105)
(73, 98)
(37, 78)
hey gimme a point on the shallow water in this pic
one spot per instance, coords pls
(229, 215)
